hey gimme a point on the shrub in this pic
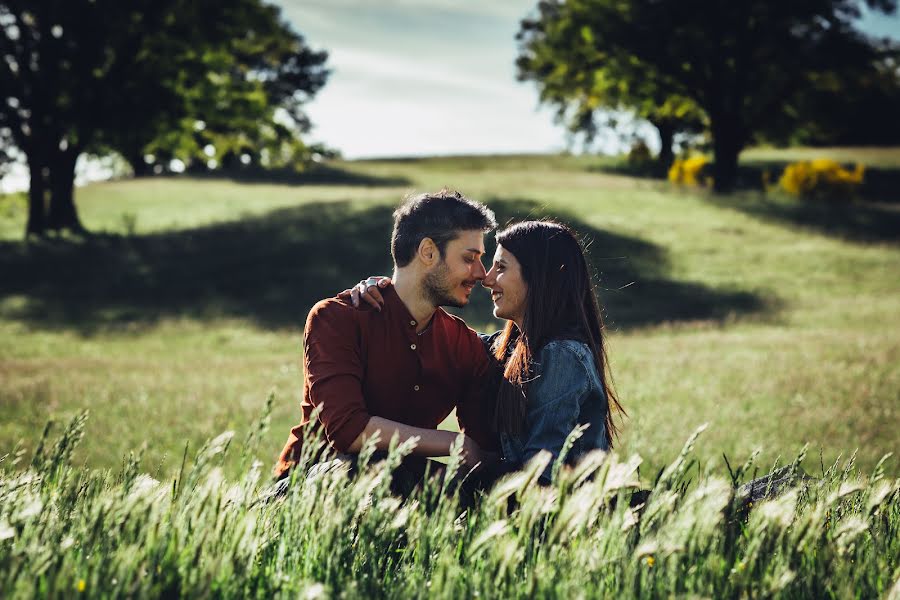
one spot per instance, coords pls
(693, 171)
(639, 154)
(821, 179)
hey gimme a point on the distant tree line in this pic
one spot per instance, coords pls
(743, 72)
(151, 80)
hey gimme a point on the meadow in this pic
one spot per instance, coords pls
(770, 319)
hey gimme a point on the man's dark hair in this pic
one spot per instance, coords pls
(439, 216)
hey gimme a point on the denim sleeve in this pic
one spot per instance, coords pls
(554, 401)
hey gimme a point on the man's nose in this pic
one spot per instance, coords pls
(489, 279)
(480, 273)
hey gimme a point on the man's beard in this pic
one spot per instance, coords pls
(437, 290)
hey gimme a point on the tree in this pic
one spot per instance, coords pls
(93, 75)
(844, 107)
(741, 62)
(576, 74)
(6, 156)
(248, 102)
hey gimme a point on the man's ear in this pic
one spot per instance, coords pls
(428, 252)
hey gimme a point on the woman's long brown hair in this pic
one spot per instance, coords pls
(560, 304)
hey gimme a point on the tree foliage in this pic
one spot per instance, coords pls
(844, 107)
(742, 63)
(134, 75)
(577, 72)
(247, 100)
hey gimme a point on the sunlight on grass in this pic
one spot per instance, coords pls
(770, 321)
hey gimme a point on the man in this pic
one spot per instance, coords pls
(401, 369)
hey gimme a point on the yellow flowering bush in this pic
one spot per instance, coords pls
(821, 179)
(691, 171)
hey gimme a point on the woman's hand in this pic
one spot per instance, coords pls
(367, 290)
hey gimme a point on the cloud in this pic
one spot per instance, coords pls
(499, 9)
(433, 77)
(386, 71)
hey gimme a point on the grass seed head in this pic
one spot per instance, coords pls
(492, 532)
(780, 511)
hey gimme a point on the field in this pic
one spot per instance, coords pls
(772, 320)
(176, 324)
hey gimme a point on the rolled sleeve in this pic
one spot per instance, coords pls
(334, 373)
(555, 400)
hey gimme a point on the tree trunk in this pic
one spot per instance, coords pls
(666, 138)
(728, 142)
(63, 214)
(37, 198)
(140, 167)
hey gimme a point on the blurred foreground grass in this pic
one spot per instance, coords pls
(773, 320)
(120, 533)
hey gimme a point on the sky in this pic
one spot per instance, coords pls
(422, 77)
(419, 77)
(425, 77)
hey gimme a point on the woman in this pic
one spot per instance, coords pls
(555, 369)
(552, 353)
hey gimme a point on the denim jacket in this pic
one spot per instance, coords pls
(567, 391)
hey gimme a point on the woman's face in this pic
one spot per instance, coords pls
(508, 287)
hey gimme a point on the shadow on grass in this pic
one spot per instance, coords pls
(643, 169)
(635, 288)
(315, 174)
(271, 269)
(856, 221)
(880, 184)
(873, 217)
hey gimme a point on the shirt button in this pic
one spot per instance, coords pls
(413, 323)
(413, 346)
(415, 387)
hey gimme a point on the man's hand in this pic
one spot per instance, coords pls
(367, 290)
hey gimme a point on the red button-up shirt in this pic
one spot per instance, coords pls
(362, 363)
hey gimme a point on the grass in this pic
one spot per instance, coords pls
(763, 316)
(872, 156)
(771, 319)
(66, 531)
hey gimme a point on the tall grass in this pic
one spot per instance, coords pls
(65, 530)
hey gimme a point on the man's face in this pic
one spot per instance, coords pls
(452, 279)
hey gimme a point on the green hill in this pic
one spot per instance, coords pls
(772, 319)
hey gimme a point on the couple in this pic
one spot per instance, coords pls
(400, 364)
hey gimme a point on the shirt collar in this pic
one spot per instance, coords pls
(397, 311)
